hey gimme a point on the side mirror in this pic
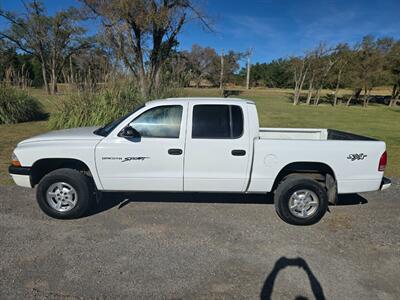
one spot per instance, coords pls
(129, 132)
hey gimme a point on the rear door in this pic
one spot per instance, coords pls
(217, 148)
(153, 162)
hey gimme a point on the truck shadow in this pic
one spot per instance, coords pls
(281, 264)
(109, 200)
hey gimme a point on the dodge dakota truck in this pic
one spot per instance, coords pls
(199, 145)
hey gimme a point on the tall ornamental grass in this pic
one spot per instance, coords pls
(99, 107)
(17, 106)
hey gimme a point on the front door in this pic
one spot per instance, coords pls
(153, 162)
(217, 148)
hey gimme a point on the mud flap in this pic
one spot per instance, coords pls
(331, 188)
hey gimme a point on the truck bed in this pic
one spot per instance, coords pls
(309, 134)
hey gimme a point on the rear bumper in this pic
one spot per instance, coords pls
(21, 175)
(385, 184)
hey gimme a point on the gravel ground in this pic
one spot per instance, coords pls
(200, 246)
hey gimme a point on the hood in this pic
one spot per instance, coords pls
(82, 133)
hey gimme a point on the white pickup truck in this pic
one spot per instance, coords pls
(199, 145)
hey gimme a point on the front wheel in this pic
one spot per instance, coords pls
(64, 194)
(300, 200)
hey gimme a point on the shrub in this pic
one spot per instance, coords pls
(98, 108)
(17, 106)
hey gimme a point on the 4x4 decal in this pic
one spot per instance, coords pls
(356, 156)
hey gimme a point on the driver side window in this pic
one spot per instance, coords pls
(159, 122)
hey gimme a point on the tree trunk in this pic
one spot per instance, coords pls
(318, 96)
(310, 91)
(356, 94)
(157, 78)
(64, 76)
(295, 93)
(301, 86)
(309, 96)
(296, 89)
(393, 102)
(53, 81)
(366, 97)
(71, 70)
(349, 100)
(143, 85)
(395, 94)
(45, 82)
(337, 88)
(299, 79)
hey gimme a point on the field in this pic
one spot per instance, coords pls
(275, 110)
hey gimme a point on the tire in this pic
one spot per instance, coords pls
(300, 200)
(72, 187)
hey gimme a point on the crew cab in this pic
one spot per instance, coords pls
(199, 145)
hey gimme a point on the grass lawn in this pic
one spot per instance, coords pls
(275, 110)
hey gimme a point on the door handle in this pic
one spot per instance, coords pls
(174, 151)
(238, 152)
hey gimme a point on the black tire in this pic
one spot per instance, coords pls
(74, 178)
(289, 186)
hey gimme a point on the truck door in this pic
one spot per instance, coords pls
(217, 148)
(153, 162)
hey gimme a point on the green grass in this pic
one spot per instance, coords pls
(275, 110)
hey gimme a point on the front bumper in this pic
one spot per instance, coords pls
(20, 175)
(385, 184)
(19, 170)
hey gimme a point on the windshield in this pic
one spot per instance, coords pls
(106, 129)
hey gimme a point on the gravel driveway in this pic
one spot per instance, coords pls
(200, 246)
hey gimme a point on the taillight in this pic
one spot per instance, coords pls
(382, 162)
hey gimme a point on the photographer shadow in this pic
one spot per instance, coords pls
(281, 264)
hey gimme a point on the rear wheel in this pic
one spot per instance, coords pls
(64, 194)
(300, 200)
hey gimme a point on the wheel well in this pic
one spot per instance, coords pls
(315, 170)
(44, 166)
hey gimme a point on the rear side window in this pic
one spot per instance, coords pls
(217, 122)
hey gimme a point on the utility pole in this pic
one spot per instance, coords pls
(221, 78)
(248, 68)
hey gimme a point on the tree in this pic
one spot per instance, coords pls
(299, 67)
(276, 74)
(8, 57)
(88, 67)
(230, 67)
(392, 65)
(51, 39)
(202, 62)
(178, 70)
(367, 67)
(143, 33)
(19, 69)
(320, 64)
(343, 57)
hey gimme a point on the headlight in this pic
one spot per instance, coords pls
(14, 160)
